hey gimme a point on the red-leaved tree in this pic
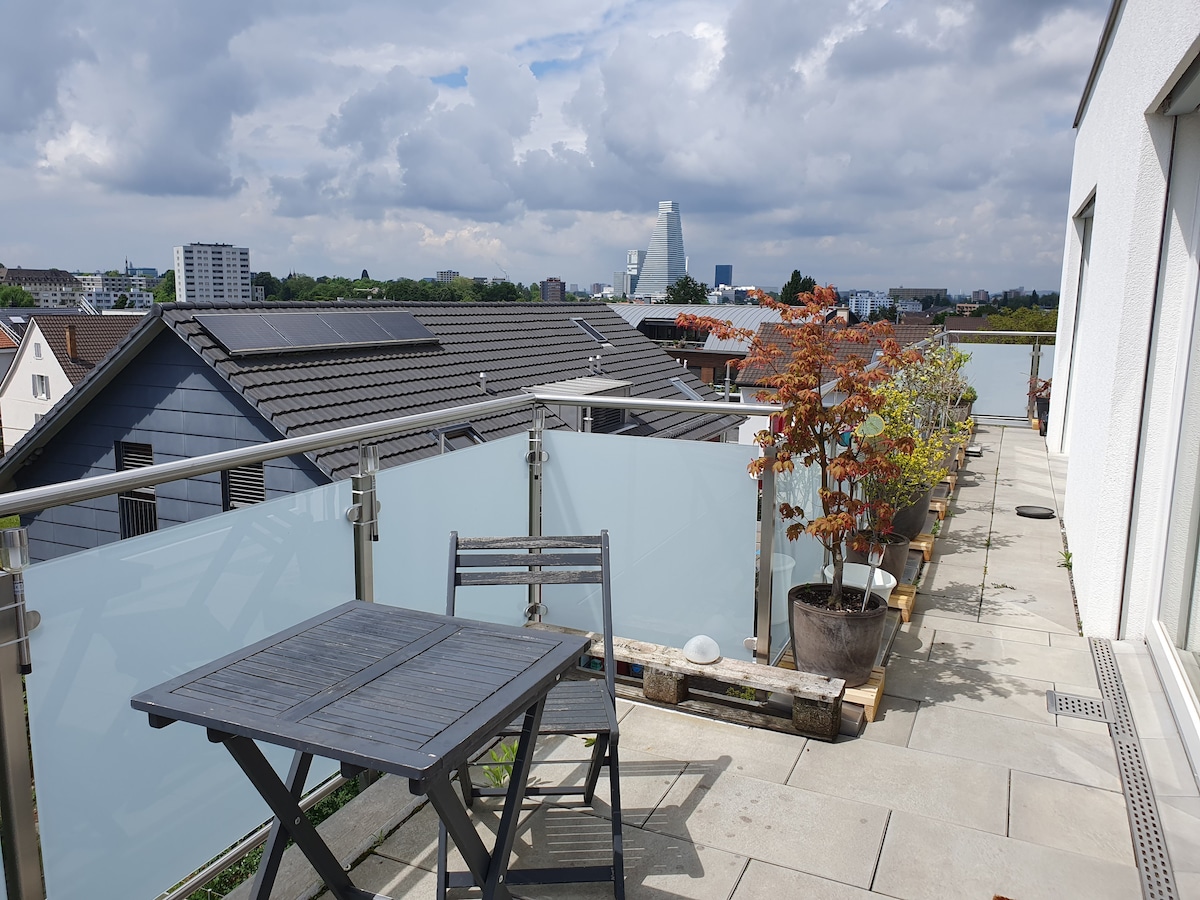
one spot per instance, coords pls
(822, 372)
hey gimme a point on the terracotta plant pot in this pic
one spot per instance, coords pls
(895, 555)
(837, 643)
(909, 521)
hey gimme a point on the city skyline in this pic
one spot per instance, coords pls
(866, 143)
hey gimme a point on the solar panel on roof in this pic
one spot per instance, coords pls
(287, 331)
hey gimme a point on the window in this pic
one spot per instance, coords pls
(456, 437)
(243, 486)
(137, 510)
(37, 353)
(41, 387)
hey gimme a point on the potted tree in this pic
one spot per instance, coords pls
(824, 375)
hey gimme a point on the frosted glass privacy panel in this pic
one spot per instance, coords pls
(1000, 374)
(480, 491)
(121, 805)
(681, 521)
(792, 562)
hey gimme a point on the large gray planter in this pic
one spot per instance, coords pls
(909, 521)
(895, 555)
(838, 643)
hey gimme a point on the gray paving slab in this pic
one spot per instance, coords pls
(1151, 714)
(1020, 658)
(668, 734)
(1168, 767)
(924, 859)
(945, 577)
(1007, 633)
(1025, 609)
(786, 826)
(656, 866)
(389, 878)
(1181, 821)
(1071, 817)
(962, 791)
(893, 721)
(966, 688)
(1137, 668)
(763, 881)
(1034, 747)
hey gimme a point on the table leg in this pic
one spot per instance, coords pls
(264, 879)
(287, 810)
(490, 870)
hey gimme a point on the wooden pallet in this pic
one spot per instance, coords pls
(904, 598)
(939, 505)
(951, 481)
(924, 543)
(868, 695)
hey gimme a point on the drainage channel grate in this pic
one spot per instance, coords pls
(1149, 844)
(1078, 707)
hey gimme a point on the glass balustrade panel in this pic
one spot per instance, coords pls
(681, 521)
(792, 562)
(1000, 374)
(124, 809)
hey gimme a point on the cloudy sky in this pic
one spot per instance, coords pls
(870, 143)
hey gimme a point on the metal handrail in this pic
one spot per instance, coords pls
(61, 494)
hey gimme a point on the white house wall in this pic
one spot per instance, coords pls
(1122, 156)
(18, 406)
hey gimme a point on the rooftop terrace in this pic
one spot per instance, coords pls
(965, 785)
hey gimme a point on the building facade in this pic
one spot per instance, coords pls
(446, 276)
(553, 290)
(903, 293)
(49, 287)
(212, 273)
(665, 261)
(1125, 402)
(723, 276)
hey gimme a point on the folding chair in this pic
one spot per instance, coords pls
(574, 707)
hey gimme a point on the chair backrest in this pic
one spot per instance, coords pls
(537, 561)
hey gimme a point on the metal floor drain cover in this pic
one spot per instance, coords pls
(1035, 512)
(1078, 707)
(973, 450)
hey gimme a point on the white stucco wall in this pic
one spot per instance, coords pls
(1122, 154)
(17, 403)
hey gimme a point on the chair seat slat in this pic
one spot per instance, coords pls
(544, 577)
(518, 543)
(499, 560)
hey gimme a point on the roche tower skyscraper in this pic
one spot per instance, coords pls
(665, 261)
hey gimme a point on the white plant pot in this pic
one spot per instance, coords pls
(855, 575)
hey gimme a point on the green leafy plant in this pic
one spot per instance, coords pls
(1065, 562)
(503, 754)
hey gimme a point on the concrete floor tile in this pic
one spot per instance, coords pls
(913, 641)
(1032, 747)
(1070, 817)
(1022, 609)
(1024, 635)
(389, 878)
(754, 752)
(1151, 714)
(1070, 642)
(1181, 822)
(656, 867)
(1020, 658)
(1167, 764)
(786, 826)
(954, 790)
(763, 881)
(946, 606)
(944, 578)
(924, 859)
(893, 721)
(967, 688)
(1137, 670)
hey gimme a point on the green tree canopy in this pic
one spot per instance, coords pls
(796, 285)
(687, 290)
(269, 283)
(164, 291)
(13, 295)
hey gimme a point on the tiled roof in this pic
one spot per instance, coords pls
(95, 338)
(966, 323)
(739, 315)
(518, 345)
(6, 343)
(772, 334)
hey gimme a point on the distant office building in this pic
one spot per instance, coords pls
(864, 303)
(665, 261)
(597, 288)
(112, 299)
(724, 277)
(554, 291)
(206, 273)
(979, 297)
(903, 293)
(448, 276)
(1014, 293)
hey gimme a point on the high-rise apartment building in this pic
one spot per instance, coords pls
(903, 293)
(207, 273)
(554, 291)
(447, 276)
(723, 276)
(665, 261)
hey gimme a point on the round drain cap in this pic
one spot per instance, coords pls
(1035, 512)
